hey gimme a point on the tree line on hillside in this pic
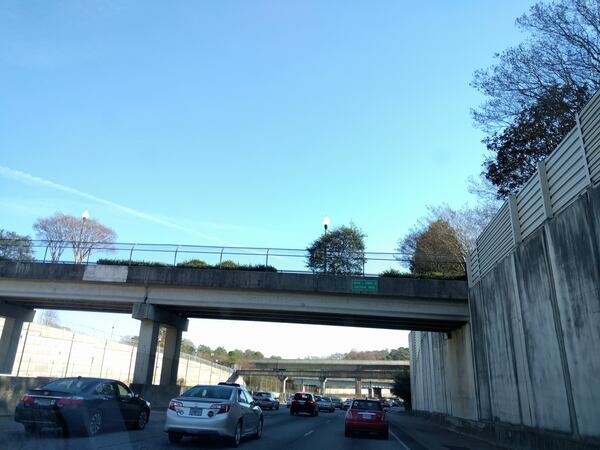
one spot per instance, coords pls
(395, 354)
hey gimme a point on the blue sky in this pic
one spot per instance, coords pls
(242, 122)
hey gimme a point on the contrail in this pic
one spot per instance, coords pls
(30, 179)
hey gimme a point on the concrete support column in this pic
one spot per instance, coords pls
(151, 317)
(9, 341)
(358, 387)
(146, 352)
(14, 317)
(283, 385)
(323, 385)
(170, 362)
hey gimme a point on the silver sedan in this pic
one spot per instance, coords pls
(226, 411)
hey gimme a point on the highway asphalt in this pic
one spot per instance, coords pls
(281, 431)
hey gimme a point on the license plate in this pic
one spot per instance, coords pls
(301, 402)
(44, 402)
(195, 411)
(367, 416)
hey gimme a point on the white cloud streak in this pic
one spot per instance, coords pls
(26, 178)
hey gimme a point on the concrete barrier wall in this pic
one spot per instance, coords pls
(12, 388)
(535, 330)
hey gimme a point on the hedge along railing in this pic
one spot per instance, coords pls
(246, 258)
(565, 174)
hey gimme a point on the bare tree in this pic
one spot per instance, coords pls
(467, 222)
(49, 318)
(562, 48)
(442, 240)
(84, 236)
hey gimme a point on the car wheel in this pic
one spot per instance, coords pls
(259, 429)
(291, 412)
(31, 428)
(347, 432)
(94, 423)
(385, 435)
(237, 436)
(174, 437)
(142, 419)
(277, 407)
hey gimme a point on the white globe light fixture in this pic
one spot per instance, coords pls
(326, 222)
(85, 215)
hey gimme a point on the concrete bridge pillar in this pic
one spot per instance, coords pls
(146, 352)
(151, 317)
(170, 362)
(283, 385)
(14, 317)
(358, 387)
(323, 385)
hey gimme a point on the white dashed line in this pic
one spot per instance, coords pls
(308, 432)
(399, 441)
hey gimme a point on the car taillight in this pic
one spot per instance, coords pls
(221, 407)
(175, 404)
(69, 401)
(310, 402)
(27, 399)
(294, 402)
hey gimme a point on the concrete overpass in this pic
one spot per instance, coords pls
(323, 370)
(171, 295)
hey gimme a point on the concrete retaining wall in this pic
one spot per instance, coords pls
(535, 330)
(12, 388)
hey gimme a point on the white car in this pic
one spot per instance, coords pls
(226, 410)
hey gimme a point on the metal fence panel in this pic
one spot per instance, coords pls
(530, 206)
(590, 130)
(496, 240)
(567, 171)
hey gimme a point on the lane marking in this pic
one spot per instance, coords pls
(399, 440)
(309, 432)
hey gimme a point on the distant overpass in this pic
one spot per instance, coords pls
(322, 370)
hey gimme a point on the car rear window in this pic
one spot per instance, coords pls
(216, 392)
(262, 394)
(366, 405)
(71, 385)
(300, 396)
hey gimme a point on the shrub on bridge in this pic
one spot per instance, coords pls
(126, 262)
(393, 273)
(195, 263)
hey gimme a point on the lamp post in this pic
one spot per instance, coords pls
(326, 222)
(84, 216)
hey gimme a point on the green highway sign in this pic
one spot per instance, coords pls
(368, 286)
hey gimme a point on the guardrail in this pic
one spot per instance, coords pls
(263, 258)
(564, 175)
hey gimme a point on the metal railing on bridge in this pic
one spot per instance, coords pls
(572, 168)
(258, 258)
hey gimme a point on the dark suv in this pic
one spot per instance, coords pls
(304, 402)
(266, 400)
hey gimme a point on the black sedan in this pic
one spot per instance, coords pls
(81, 404)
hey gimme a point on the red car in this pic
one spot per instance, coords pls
(366, 416)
